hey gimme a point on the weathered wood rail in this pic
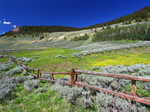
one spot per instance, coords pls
(74, 72)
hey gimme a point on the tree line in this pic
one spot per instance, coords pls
(135, 32)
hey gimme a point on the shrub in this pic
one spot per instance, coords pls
(25, 78)
(15, 70)
(40, 90)
(28, 60)
(85, 37)
(5, 67)
(46, 76)
(15, 36)
(42, 37)
(60, 56)
(1, 73)
(29, 84)
(116, 26)
(23, 73)
(1, 56)
(36, 57)
(33, 61)
(86, 99)
(6, 85)
(69, 94)
(109, 103)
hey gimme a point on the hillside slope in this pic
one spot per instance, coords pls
(55, 39)
(141, 15)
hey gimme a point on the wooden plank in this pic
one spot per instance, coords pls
(50, 80)
(138, 99)
(114, 75)
(33, 74)
(72, 77)
(22, 65)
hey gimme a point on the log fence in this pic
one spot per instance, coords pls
(74, 75)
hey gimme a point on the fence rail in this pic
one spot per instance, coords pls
(55, 73)
(74, 72)
(114, 75)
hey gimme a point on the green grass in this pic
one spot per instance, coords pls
(2, 60)
(124, 41)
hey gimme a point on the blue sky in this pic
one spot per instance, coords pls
(75, 13)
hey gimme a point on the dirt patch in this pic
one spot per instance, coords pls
(92, 34)
(32, 41)
(82, 34)
(61, 37)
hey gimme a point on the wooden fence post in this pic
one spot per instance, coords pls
(33, 71)
(37, 76)
(16, 62)
(26, 71)
(52, 75)
(133, 92)
(76, 75)
(72, 77)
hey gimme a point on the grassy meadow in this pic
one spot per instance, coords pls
(21, 100)
(47, 60)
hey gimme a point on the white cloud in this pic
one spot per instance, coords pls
(14, 26)
(3, 32)
(6, 22)
(0, 21)
(4, 19)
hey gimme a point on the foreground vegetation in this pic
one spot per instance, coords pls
(45, 97)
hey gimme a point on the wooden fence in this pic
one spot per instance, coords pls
(74, 72)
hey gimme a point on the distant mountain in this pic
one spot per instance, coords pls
(37, 30)
(138, 16)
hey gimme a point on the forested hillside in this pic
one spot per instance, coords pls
(137, 16)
